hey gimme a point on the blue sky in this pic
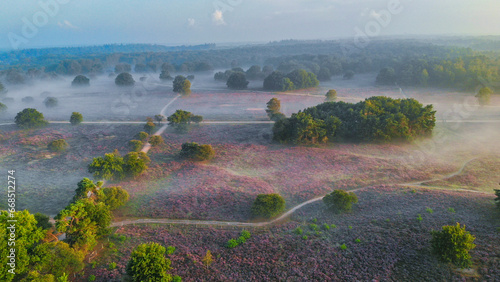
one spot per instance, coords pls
(26, 24)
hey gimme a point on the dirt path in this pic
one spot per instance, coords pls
(290, 211)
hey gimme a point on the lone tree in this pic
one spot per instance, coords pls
(182, 85)
(155, 140)
(135, 145)
(143, 136)
(80, 80)
(135, 164)
(50, 102)
(149, 127)
(148, 263)
(340, 201)
(268, 205)
(181, 119)
(331, 95)
(207, 259)
(452, 244)
(124, 79)
(273, 110)
(237, 81)
(58, 145)
(76, 118)
(30, 118)
(484, 96)
(197, 152)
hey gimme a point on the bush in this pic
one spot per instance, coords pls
(112, 265)
(268, 205)
(331, 95)
(80, 80)
(134, 164)
(114, 197)
(182, 85)
(149, 127)
(124, 79)
(58, 145)
(241, 240)
(484, 96)
(143, 136)
(76, 118)
(232, 244)
(50, 102)
(452, 244)
(246, 234)
(156, 140)
(343, 247)
(237, 81)
(135, 145)
(170, 250)
(197, 152)
(298, 231)
(340, 201)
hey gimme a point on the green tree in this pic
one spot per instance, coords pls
(50, 102)
(124, 79)
(484, 96)
(302, 79)
(57, 258)
(254, 72)
(300, 128)
(58, 145)
(237, 81)
(340, 201)
(27, 235)
(109, 167)
(274, 81)
(115, 197)
(135, 145)
(196, 118)
(159, 119)
(76, 118)
(143, 136)
(84, 222)
(42, 221)
(148, 263)
(268, 205)
(135, 164)
(273, 106)
(182, 85)
(156, 140)
(86, 187)
(80, 80)
(331, 95)
(197, 152)
(30, 118)
(149, 127)
(452, 244)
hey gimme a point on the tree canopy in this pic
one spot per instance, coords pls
(182, 85)
(197, 152)
(76, 118)
(124, 79)
(80, 80)
(148, 263)
(375, 119)
(30, 118)
(237, 80)
(340, 201)
(268, 205)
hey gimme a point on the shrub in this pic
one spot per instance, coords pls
(134, 164)
(429, 210)
(419, 218)
(58, 145)
(112, 265)
(197, 152)
(50, 102)
(182, 85)
(340, 201)
(246, 234)
(170, 250)
(30, 118)
(143, 136)
(298, 231)
(331, 95)
(148, 263)
(76, 118)
(135, 145)
(313, 227)
(357, 241)
(268, 205)
(115, 197)
(156, 140)
(333, 226)
(326, 226)
(451, 210)
(124, 79)
(109, 167)
(80, 80)
(484, 96)
(232, 243)
(304, 237)
(241, 240)
(92, 277)
(452, 244)
(149, 127)
(343, 247)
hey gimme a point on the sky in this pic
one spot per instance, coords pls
(44, 23)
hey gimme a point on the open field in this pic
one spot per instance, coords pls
(394, 245)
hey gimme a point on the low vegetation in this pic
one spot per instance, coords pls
(30, 118)
(340, 201)
(452, 244)
(59, 145)
(268, 205)
(197, 152)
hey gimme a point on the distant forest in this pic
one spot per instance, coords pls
(397, 61)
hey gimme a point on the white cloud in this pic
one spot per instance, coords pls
(66, 24)
(191, 22)
(218, 17)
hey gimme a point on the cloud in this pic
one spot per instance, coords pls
(191, 22)
(218, 17)
(66, 24)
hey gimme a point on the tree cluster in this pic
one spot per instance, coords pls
(296, 79)
(374, 119)
(115, 167)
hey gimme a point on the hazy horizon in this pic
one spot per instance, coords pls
(56, 23)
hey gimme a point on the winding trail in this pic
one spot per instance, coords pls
(290, 211)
